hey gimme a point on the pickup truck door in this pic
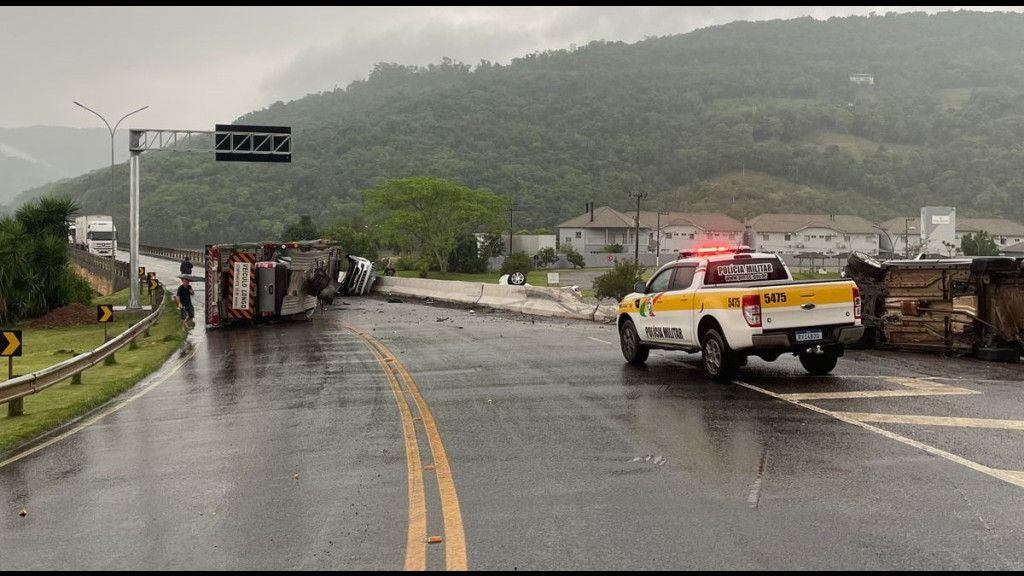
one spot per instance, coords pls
(666, 314)
(649, 323)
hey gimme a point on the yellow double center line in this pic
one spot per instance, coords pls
(417, 540)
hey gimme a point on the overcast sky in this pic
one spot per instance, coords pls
(197, 66)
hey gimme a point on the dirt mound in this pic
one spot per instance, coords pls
(70, 315)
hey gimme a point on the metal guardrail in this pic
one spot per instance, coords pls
(17, 388)
(103, 266)
(198, 257)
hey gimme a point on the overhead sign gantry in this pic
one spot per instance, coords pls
(230, 143)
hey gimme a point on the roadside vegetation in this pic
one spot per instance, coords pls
(64, 402)
(34, 273)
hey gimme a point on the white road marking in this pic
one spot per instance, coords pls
(1010, 476)
(917, 387)
(936, 420)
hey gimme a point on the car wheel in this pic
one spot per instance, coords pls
(863, 264)
(717, 359)
(517, 278)
(818, 364)
(632, 350)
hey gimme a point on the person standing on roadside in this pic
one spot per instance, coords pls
(184, 300)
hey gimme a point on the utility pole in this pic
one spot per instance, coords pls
(511, 230)
(640, 195)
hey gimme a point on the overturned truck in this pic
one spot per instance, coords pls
(971, 306)
(259, 282)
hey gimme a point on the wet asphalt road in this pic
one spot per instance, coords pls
(291, 446)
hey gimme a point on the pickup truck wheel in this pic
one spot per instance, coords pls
(632, 350)
(819, 364)
(718, 361)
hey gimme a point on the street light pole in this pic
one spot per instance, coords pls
(892, 246)
(113, 277)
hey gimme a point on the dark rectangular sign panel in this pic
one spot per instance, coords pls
(240, 143)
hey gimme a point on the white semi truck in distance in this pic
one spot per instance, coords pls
(96, 234)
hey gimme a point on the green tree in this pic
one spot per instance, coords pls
(491, 245)
(428, 215)
(304, 229)
(620, 280)
(574, 257)
(546, 256)
(34, 270)
(978, 244)
(467, 256)
(352, 240)
(613, 249)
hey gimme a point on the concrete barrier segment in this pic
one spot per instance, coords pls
(440, 290)
(561, 302)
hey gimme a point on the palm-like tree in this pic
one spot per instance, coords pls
(33, 258)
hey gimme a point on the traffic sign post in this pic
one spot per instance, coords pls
(10, 346)
(104, 315)
(142, 271)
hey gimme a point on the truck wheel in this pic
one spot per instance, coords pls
(632, 350)
(993, 264)
(716, 358)
(818, 364)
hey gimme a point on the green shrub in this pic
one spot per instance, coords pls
(518, 261)
(574, 257)
(619, 281)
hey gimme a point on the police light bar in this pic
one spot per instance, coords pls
(712, 251)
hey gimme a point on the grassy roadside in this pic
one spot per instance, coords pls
(63, 402)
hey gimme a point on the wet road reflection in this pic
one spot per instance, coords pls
(285, 446)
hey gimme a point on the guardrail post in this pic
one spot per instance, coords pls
(109, 360)
(76, 378)
(15, 407)
(132, 345)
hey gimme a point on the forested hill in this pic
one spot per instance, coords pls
(743, 118)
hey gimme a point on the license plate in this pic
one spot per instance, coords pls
(806, 335)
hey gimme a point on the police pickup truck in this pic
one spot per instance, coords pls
(731, 303)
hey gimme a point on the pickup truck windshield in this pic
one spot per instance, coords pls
(745, 270)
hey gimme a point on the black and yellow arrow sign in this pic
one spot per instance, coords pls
(10, 343)
(105, 313)
(153, 283)
(142, 270)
